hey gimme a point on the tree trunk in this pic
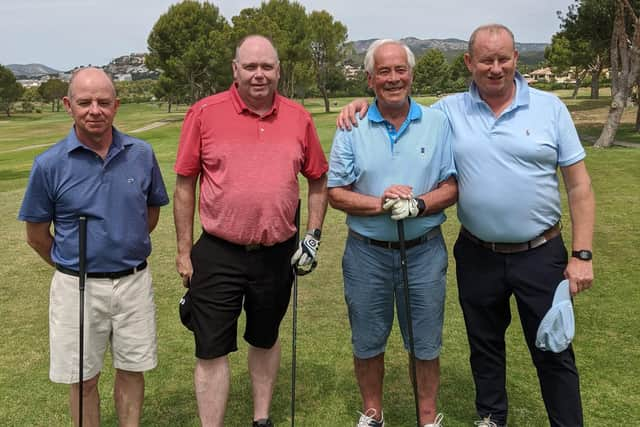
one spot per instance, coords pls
(576, 88)
(638, 118)
(595, 83)
(613, 121)
(169, 105)
(325, 96)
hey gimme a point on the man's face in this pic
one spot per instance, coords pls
(392, 76)
(256, 71)
(493, 63)
(93, 104)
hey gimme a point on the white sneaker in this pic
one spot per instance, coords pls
(368, 419)
(437, 422)
(485, 422)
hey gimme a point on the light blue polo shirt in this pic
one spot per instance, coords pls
(507, 165)
(373, 156)
(69, 180)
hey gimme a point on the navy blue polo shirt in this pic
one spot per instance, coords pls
(69, 180)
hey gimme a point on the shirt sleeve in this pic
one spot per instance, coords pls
(342, 169)
(157, 192)
(315, 162)
(188, 162)
(447, 164)
(37, 205)
(570, 149)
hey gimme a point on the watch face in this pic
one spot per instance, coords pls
(583, 255)
(316, 233)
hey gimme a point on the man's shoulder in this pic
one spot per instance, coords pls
(54, 154)
(289, 106)
(210, 101)
(537, 94)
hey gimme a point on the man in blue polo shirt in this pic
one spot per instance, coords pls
(508, 141)
(114, 180)
(397, 164)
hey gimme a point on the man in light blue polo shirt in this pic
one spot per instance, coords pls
(508, 141)
(114, 180)
(397, 164)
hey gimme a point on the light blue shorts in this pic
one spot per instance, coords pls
(373, 284)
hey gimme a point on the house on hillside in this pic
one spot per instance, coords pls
(542, 75)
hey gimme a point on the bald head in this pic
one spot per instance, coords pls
(255, 41)
(493, 30)
(90, 76)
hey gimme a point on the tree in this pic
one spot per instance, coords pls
(625, 67)
(460, 75)
(564, 55)
(191, 43)
(587, 28)
(285, 23)
(10, 90)
(431, 73)
(52, 91)
(326, 40)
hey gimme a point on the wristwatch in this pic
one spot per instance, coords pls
(582, 254)
(422, 206)
(316, 232)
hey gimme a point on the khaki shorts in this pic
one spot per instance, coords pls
(120, 312)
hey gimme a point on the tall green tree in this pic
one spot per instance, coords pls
(431, 73)
(460, 77)
(625, 67)
(285, 23)
(191, 44)
(564, 54)
(52, 91)
(587, 26)
(326, 40)
(10, 90)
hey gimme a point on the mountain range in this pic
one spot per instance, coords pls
(530, 54)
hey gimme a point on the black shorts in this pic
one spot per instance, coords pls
(225, 275)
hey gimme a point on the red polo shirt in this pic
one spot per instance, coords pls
(249, 165)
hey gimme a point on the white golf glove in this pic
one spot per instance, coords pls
(402, 208)
(304, 258)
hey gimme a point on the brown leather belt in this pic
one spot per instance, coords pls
(512, 248)
(434, 232)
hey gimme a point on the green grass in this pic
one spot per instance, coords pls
(607, 344)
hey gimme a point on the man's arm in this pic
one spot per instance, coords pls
(317, 202)
(347, 200)
(153, 215)
(443, 196)
(582, 210)
(347, 116)
(184, 202)
(40, 239)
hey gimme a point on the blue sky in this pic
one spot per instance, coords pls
(67, 33)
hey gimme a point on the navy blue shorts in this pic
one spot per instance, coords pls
(227, 276)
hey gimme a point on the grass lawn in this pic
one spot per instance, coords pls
(607, 343)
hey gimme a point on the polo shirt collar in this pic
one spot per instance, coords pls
(374, 115)
(522, 92)
(118, 141)
(241, 107)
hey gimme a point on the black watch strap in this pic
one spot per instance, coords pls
(422, 206)
(316, 232)
(582, 254)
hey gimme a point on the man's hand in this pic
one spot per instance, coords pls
(347, 116)
(184, 267)
(402, 208)
(304, 259)
(580, 275)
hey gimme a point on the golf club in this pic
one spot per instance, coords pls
(82, 272)
(407, 303)
(294, 326)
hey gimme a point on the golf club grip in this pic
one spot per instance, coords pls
(407, 303)
(294, 326)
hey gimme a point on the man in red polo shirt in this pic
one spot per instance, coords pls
(247, 146)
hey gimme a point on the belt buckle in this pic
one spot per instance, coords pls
(493, 246)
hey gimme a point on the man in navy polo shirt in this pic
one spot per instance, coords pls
(114, 180)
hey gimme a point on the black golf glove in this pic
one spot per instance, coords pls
(304, 259)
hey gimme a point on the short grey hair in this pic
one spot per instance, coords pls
(373, 47)
(492, 29)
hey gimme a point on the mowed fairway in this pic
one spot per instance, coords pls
(607, 342)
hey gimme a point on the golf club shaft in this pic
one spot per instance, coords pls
(407, 303)
(82, 273)
(294, 326)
